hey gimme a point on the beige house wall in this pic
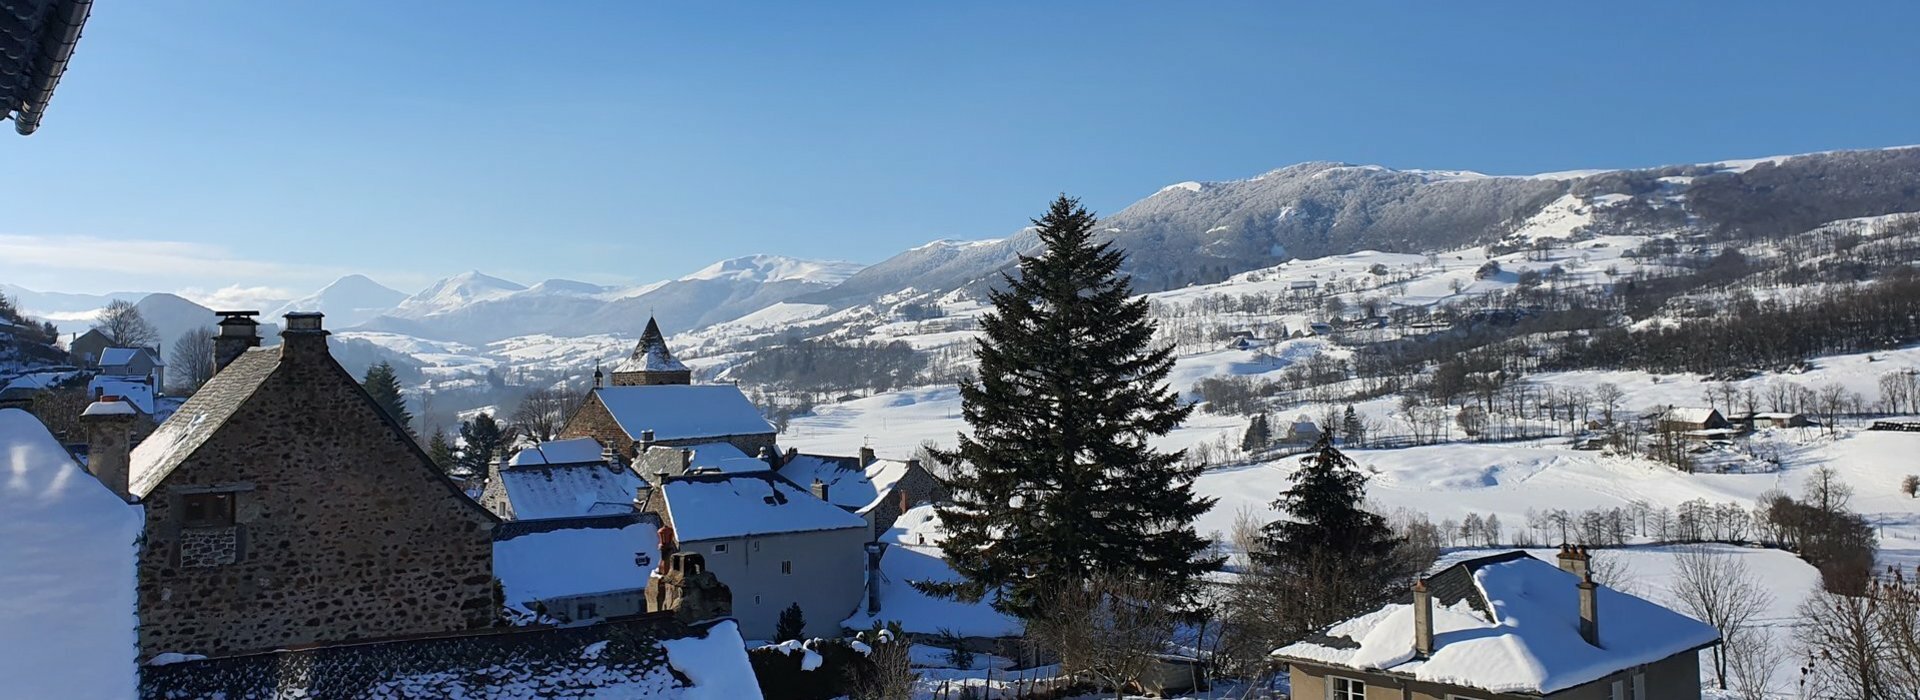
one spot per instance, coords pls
(1674, 678)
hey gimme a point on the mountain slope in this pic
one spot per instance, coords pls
(348, 301)
(1196, 232)
(476, 309)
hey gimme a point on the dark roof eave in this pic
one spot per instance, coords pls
(57, 42)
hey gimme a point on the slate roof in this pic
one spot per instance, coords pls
(651, 354)
(578, 556)
(1508, 623)
(848, 486)
(571, 450)
(683, 411)
(722, 506)
(115, 357)
(536, 492)
(37, 38)
(199, 418)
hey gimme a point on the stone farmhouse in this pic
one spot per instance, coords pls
(137, 363)
(1506, 627)
(284, 508)
(772, 543)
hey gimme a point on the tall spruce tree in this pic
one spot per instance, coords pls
(384, 386)
(1336, 557)
(1352, 431)
(440, 450)
(480, 439)
(1056, 480)
(1259, 434)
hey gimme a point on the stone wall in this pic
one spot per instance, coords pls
(617, 658)
(916, 487)
(343, 530)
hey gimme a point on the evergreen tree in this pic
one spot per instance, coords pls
(1352, 431)
(1337, 556)
(481, 438)
(384, 387)
(441, 451)
(1259, 434)
(792, 625)
(1056, 481)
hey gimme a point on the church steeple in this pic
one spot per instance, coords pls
(651, 362)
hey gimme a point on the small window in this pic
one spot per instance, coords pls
(207, 509)
(756, 545)
(588, 611)
(1346, 689)
(1617, 691)
(1639, 686)
(719, 549)
(786, 567)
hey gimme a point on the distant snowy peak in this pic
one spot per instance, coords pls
(776, 268)
(347, 301)
(455, 292)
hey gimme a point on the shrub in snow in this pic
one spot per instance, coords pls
(814, 669)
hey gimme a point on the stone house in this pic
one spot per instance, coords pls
(652, 401)
(1506, 627)
(284, 508)
(560, 479)
(139, 363)
(772, 543)
(877, 490)
(85, 349)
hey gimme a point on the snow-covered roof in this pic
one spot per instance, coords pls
(199, 418)
(569, 451)
(67, 589)
(721, 506)
(683, 411)
(537, 492)
(594, 557)
(1514, 629)
(650, 354)
(848, 486)
(724, 456)
(1688, 414)
(36, 381)
(133, 390)
(109, 408)
(116, 357)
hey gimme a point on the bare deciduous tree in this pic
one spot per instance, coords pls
(1109, 629)
(123, 324)
(543, 412)
(192, 359)
(1717, 588)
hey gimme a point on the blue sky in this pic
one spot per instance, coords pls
(270, 146)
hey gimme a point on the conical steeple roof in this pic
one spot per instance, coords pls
(650, 354)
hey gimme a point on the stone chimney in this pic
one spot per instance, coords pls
(1573, 560)
(873, 578)
(766, 455)
(1422, 620)
(304, 338)
(1589, 609)
(109, 425)
(686, 460)
(866, 457)
(819, 489)
(238, 332)
(685, 587)
(646, 439)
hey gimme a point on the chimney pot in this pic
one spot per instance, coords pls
(304, 336)
(646, 439)
(819, 489)
(238, 332)
(866, 457)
